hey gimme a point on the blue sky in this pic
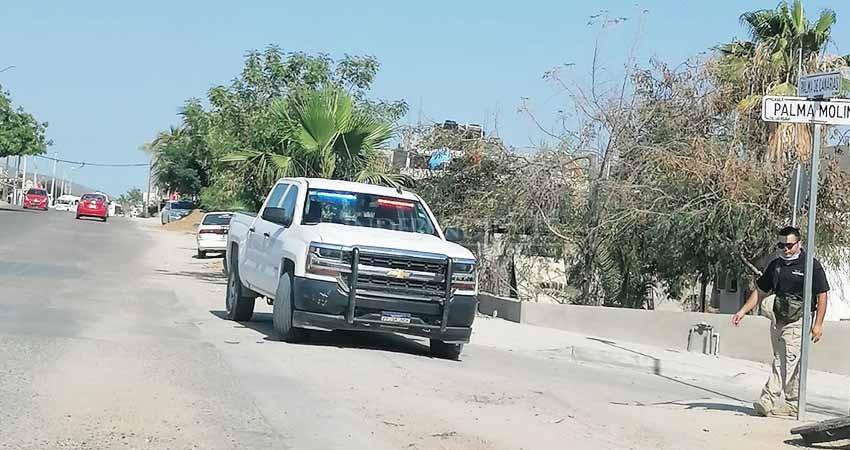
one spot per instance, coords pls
(107, 75)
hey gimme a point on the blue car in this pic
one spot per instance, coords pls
(175, 210)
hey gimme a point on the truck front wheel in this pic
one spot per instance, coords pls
(443, 350)
(282, 312)
(240, 307)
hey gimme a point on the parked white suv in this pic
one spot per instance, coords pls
(340, 255)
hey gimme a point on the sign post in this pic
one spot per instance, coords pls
(815, 106)
(807, 283)
(795, 191)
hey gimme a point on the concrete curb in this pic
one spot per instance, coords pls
(652, 365)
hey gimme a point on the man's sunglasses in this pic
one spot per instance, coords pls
(785, 245)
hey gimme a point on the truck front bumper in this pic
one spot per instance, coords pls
(323, 305)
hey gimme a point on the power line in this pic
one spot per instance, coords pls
(84, 163)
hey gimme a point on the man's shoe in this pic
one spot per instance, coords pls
(761, 409)
(786, 410)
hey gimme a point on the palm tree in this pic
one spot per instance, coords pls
(325, 136)
(338, 140)
(156, 149)
(782, 39)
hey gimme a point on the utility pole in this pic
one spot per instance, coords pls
(53, 183)
(24, 181)
(70, 181)
(15, 182)
(148, 199)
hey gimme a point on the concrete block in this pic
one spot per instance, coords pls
(506, 308)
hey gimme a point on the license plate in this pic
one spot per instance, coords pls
(395, 317)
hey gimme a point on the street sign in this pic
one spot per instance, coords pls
(802, 110)
(821, 85)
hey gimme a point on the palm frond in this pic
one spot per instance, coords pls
(825, 21)
(316, 120)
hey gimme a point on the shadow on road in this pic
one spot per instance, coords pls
(210, 256)
(20, 210)
(714, 406)
(262, 323)
(209, 277)
(799, 442)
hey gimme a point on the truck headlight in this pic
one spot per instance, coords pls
(464, 275)
(325, 260)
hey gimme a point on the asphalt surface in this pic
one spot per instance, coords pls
(112, 336)
(91, 353)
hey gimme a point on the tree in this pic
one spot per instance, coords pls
(252, 132)
(134, 196)
(767, 64)
(174, 165)
(20, 132)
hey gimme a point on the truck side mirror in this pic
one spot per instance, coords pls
(454, 234)
(277, 215)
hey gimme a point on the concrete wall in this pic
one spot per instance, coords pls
(508, 309)
(669, 330)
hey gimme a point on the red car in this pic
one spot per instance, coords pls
(93, 205)
(36, 199)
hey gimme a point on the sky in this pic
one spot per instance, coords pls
(107, 75)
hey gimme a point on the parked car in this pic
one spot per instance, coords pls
(66, 203)
(340, 255)
(175, 210)
(212, 233)
(94, 204)
(36, 199)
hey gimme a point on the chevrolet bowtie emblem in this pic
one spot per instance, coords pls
(397, 273)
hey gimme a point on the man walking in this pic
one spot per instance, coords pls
(784, 278)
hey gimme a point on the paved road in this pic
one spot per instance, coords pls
(111, 336)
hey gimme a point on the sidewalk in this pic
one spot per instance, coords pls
(827, 393)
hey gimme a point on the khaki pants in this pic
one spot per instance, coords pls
(785, 375)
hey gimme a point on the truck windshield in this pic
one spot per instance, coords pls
(367, 210)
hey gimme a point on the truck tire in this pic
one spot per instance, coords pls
(202, 254)
(282, 311)
(239, 305)
(443, 350)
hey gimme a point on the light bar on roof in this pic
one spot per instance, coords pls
(395, 203)
(335, 195)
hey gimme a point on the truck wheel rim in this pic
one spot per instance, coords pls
(231, 292)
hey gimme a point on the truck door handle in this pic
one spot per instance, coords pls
(267, 235)
(251, 230)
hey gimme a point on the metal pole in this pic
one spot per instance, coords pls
(15, 187)
(53, 183)
(796, 204)
(147, 201)
(807, 284)
(7, 175)
(24, 181)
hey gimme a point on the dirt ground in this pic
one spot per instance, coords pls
(186, 224)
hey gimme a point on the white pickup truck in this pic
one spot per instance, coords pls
(331, 255)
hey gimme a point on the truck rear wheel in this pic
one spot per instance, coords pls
(282, 312)
(443, 350)
(240, 306)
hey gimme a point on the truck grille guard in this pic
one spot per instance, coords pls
(348, 284)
